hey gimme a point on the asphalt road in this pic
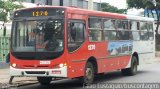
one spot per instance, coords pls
(149, 73)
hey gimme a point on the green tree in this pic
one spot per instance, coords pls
(135, 3)
(149, 6)
(6, 7)
(108, 8)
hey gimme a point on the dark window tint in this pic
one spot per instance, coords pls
(95, 35)
(94, 22)
(95, 30)
(37, 39)
(109, 35)
(122, 35)
(150, 31)
(143, 31)
(109, 24)
(76, 35)
(121, 25)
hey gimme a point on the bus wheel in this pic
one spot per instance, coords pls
(133, 69)
(89, 74)
(44, 80)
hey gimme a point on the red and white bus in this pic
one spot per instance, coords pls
(66, 42)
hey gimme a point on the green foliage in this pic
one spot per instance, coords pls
(108, 8)
(3, 16)
(7, 7)
(135, 3)
(148, 5)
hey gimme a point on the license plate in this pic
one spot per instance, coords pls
(56, 72)
(45, 62)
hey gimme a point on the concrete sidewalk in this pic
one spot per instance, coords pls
(158, 54)
(3, 65)
(17, 81)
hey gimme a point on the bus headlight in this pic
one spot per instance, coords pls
(61, 65)
(14, 65)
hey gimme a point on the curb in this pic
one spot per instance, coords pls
(25, 83)
(157, 54)
(16, 85)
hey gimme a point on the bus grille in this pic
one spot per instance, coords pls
(35, 72)
(39, 66)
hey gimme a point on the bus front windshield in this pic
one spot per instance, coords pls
(37, 37)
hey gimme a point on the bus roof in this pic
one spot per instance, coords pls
(139, 18)
(96, 13)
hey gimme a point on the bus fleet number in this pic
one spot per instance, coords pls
(91, 47)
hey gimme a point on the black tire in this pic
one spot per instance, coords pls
(133, 69)
(99, 74)
(44, 80)
(89, 74)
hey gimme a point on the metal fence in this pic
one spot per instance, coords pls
(4, 48)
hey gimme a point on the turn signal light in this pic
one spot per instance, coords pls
(60, 65)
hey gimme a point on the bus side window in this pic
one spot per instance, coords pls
(94, 22)
(109, 29)
(122, 30)
(76, 35)
(109, 35)
(95, 29)
(144, 31)
(135, 30)
(150, 31)
(138, 26)
(73, 31)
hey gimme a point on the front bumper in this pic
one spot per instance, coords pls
(58, 72)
